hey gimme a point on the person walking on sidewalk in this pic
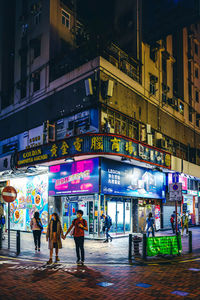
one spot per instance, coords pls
(53, 236)
(172, 221)
(79, 226)
(150, 225)
(184, 220)
(36, 226)
(106, 227)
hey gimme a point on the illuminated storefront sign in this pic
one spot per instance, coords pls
(95, 144)
(190, 192)
(32, 195)
(73, 178)
(123, 179)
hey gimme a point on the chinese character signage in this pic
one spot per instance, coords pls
(73, 178)
(98, 144)
(123, 179)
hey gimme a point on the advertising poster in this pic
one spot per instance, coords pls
(123, 179)
(32, 195)
(77, 177)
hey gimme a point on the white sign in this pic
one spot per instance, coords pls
(175, 191)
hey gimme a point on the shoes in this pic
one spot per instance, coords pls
(111, 239)
(49, 261)
(82, 262)
(78, 261)
(38, 249)
(106, 241)
(57, 258)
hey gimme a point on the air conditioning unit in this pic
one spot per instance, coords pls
(143, 134)
(150, 139)
(148, 127)
(158, 136)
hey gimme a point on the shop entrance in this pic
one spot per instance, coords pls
(69, 214)
(67, 207)
(120, 212)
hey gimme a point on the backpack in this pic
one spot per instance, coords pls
(172, 219)
(39, 224)
(109, 222)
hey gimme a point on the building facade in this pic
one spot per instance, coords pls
(122, 111)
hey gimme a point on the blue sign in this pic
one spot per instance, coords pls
(123, 179)
(175, 177)
(79, 177)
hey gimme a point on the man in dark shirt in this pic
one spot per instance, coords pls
(79, 225)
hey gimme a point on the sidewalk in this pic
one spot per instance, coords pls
(95, 250)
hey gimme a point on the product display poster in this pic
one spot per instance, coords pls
(123, 179)
(32, 195)
(72, 178)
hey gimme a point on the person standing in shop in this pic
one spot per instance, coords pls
(150, 225)
(53, 236)
(79, 226)
(36, 226)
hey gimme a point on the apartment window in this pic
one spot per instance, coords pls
(196, 48)
(197, 96)
(152, 88)
(181, 108)
(197, 119)
(37, 18)
(164, 98)
(65, 19)
(153, 54)
(189, 89)
(196, 73)
(189, 67)
(36, 81)
(153, 81)
(164, 64)
(36, 46)
(190, 114)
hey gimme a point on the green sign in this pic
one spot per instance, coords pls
(170, 245)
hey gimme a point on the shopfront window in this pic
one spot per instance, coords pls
(119, 209)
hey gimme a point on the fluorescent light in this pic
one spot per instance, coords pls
(69, 160)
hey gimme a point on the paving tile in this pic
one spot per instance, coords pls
(180, 293)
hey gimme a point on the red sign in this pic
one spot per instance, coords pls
(9, 194)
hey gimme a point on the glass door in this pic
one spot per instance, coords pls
(120, 213)
(127, 215)
(112, 212)
(120, 217)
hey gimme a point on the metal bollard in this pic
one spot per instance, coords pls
(178, 243)
(190, 241)
(1, 235)
(130, 246)
(144, 255)
(18, 242)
